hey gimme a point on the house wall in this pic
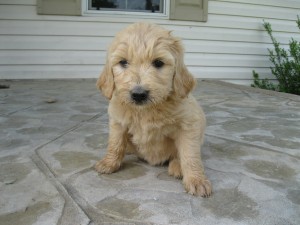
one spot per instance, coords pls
(227, 47)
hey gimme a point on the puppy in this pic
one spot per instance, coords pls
(151, 112)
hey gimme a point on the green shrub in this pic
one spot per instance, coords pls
(286, 66)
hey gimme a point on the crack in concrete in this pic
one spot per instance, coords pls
(97, 214)
(81, 123)
(49, 173)
(39, 162)
(291, 97)
(251, 145)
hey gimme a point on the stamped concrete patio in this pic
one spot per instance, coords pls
(52, 132)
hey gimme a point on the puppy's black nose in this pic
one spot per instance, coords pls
(139, 95)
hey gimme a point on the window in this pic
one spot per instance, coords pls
(191, 10)
(146, 6)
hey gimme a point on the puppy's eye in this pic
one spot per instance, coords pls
(158, 63)
(123, 63)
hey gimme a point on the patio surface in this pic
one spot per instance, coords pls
(52, 132)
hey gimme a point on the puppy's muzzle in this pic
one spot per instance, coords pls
(139, 95)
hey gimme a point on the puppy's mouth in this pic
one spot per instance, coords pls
(139, 95)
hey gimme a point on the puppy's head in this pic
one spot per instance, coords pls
(145, 66)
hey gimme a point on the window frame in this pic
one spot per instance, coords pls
(89, 12)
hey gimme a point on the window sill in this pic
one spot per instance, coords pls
(125, 14)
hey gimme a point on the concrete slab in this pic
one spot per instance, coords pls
(52, 132)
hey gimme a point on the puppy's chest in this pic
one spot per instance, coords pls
(145, 132)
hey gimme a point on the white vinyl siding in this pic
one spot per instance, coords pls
(227, 47)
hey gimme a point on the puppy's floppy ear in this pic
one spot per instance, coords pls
(183, 81)
(106, 81)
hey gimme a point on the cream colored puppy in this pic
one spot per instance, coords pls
(151, 112)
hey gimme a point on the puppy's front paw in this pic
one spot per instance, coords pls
(106, 166)
(198, 186)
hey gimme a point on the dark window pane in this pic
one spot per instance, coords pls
(128, 5)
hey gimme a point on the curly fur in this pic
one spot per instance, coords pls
(169, 125)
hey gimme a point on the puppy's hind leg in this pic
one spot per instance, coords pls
(174, 168)
(117, 144)
(194, 179)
